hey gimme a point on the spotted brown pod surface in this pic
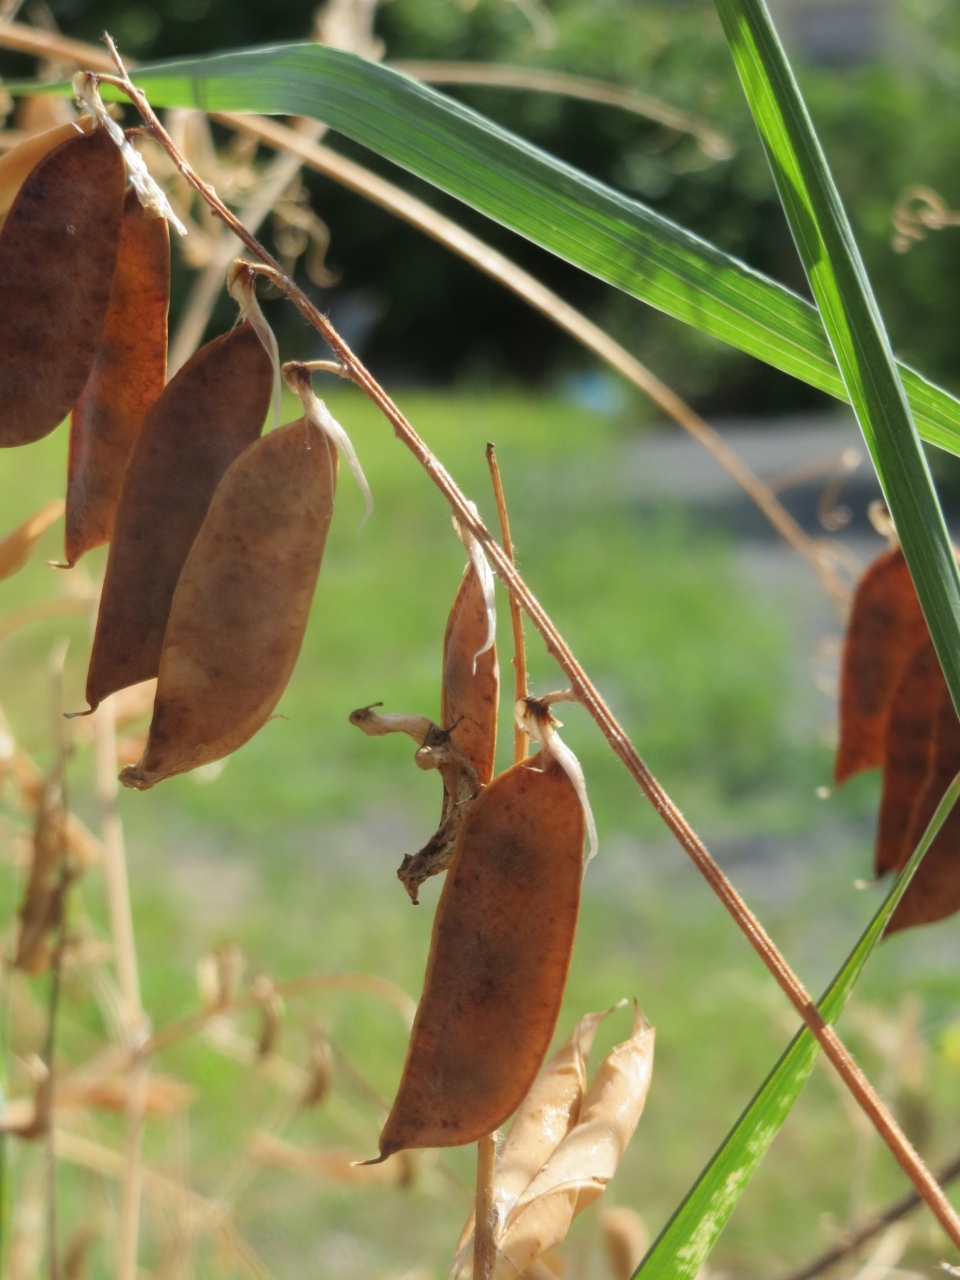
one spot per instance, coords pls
(470, 687)
(241, 606)
(908, 755)
(886, 628)
(19, 162)
(499, 955)
(128, 376)
(58, 254)
(207, 415)
(934, 892)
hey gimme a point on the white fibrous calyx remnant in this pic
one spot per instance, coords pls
(242, 287)
(148, 190)
(483, 571)
(297, 377)
(535, 719)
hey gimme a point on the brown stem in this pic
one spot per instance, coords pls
(484, 1248)
(521, 741)
(586, 692)
(851, 1240)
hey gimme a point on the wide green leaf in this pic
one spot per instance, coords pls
(594, 227)
(682, 1247)
(852, 320)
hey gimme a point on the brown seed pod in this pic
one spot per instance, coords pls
(207, 415)
(470, 690)
(58, 253)
(908, 754)
(934, 891)
(17, 163)
(499, 955)
(128, 375)
(241, 606)
(886, 628)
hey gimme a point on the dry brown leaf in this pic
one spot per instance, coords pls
(128, 375)
(17, 547)
(585, 1161)
(58, 253)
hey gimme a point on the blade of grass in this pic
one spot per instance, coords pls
(685, 1242)
(590, 225)
(851, 317)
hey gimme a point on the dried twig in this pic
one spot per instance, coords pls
(586, 692)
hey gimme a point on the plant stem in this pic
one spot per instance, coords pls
(521, 741)
(586, 692)
(484, 1248)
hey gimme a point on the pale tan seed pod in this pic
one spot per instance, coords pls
(625, 1240)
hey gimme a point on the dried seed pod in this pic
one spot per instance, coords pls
(498, 961)
(585, 1161)
(907, 755)
(470, 689)
(886, 628)
(17, 547)
(128, 376)
(241, 606)
(58, 253)
(17, 163)
(625, 1240)
(934, 892)
(207, 415)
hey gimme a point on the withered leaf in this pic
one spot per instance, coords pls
(934, 892)
(908, 754)
(17, 547)
(241, 606)
(207, 415)
(886, 628)
(470, 688)
(58, 252)
(128, 375)
(499, 956)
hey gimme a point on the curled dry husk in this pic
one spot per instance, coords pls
(577, 1170)
(498, 962)
(934, 891)
(128, 376)
(908, 754)
(18, 546)
(241, 606)
(206, 416)
(58, 253)
(886, 628)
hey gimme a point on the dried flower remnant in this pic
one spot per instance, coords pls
(207, 415)
(577, 1173)
(240, 609)
(934, 892)
(545, 1117)
(58, 253)
(128, 376)
(498, 962)
(18, 546)
(886, 628)
(908, 754)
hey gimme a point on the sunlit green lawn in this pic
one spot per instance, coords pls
(292, 851)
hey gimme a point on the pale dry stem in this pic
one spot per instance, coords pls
(586, 691)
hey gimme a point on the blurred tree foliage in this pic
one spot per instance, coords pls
(886, 125)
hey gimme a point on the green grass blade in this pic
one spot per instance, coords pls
(851, 318)
(682, 1247)
(596, 228)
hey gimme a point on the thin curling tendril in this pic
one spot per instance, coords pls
(241, 285)
(534, 718)
(297, 377)
(482, 566)
(150, 194)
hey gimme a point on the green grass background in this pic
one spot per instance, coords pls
(292, 853)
